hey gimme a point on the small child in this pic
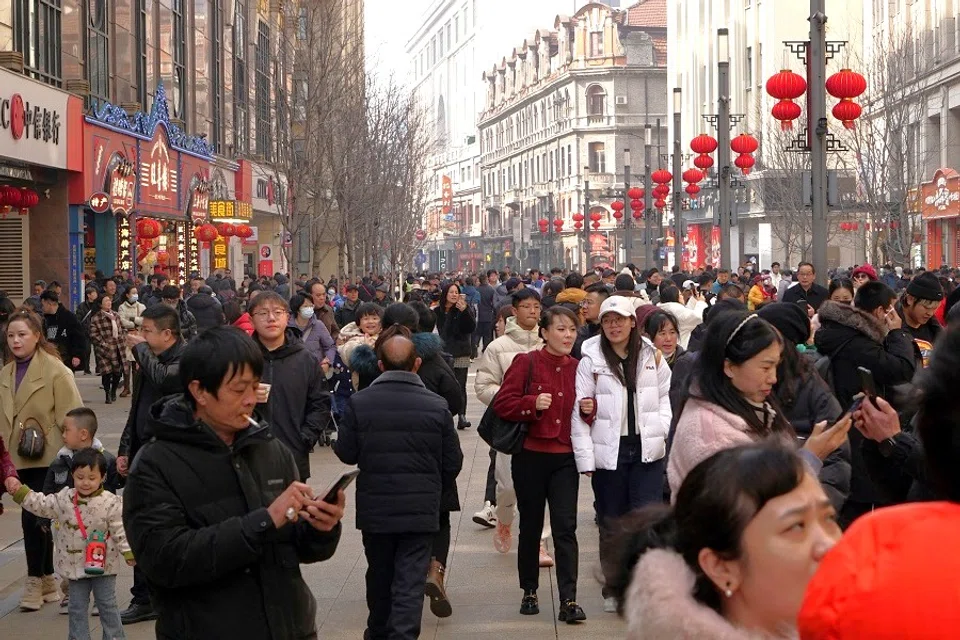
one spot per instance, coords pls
(88, 541)
(79, 432)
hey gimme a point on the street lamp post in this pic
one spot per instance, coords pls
(586, 219)
(677, 158)
(723, 142)
(817, 131)
(647, 198)
(628, 227)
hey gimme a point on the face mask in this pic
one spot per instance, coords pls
(134, 298)
(306, 312)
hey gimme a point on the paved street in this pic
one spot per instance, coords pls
(482, 584)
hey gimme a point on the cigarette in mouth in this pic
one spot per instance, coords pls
(253, 423)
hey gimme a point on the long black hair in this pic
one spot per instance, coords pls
(736, 336)
(793, 371)
(715, 503)
(627, 374)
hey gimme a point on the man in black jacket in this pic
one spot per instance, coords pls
(807, 289)
(917, 308)
(62, 329)
(219, 563)
(295, 403)
(347, 312)
(188, 322)
(486, 310)
(157, 351)
(403, 439)
(206, 309)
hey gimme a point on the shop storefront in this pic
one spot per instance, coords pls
(139, 167)
(940, 209)
(39, 146)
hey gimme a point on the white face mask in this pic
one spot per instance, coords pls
(134, 298)
(306, 312)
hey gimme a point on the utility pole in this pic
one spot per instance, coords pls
(551, 233)
(817, 131)
(647, 199)
(586, 220)
(677, 197)
(627, 225)
(723, 144)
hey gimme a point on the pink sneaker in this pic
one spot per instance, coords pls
(502, 538)
(545, 560)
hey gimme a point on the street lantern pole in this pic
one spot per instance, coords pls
(677, 210)
(647, 199)
(628, 227)
(817, 131)
(723, 142)
(586, 219)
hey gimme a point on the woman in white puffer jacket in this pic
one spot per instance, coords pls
(620, 426)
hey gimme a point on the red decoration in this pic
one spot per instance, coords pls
(637, 214)
(616, 205)
(846, 111)
(595, 224)
(744, 143)
(661, 176)
(703, 144)
(148, 229)
(618, 215)
(637, 205)
(578, 225)
(28, 198)
(543, 222)
(578, 217)
(660, 203)
(745, 162)
(558, 223)
(703, 162)
(635, 193)
(10, 196)
(227, 230)
(786, 86)
(692, 176)
(163, 258)
(243, 231)
(693, 190)
(206, 233)
(846, 85)
(895, 224)
(595, 216)
(661, 191)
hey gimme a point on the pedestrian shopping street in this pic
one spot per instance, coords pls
(482, 584)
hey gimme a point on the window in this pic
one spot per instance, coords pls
(302, 24)
(456, 27)
(282, 131)
(569, 159)
(179, 61)
(262, 89)
(449, 40)
(596, 100)
(216, 74)
(98, 50)
(241, 91)
(748, 73)
(140, 31)
(598, 162)
(36, 34)
(596, 44)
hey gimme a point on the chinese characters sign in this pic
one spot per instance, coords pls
(941, 196)
(227, 210)
(158, 172)
(199, 203)
(121, 192)
(219, 253)
(446, 194)
(32, 121)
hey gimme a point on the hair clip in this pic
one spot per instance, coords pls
(740, 326)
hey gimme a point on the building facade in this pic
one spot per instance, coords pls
(561, 111)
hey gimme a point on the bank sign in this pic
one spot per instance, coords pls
(33, 121)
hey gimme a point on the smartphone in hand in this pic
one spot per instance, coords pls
(342, 483)
(868, 384)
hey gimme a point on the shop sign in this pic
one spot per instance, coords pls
(420, 235)
(121, 192)
(265, 252)
(219, 253)
(941, 196)
(254, 239)
(446, 194)
(99, 202)
(199, 204)
(158, 173)
(32, 121)
(229, 210)
(265, 268)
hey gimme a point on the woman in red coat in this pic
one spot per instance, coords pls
(237, 317)
(540, 388)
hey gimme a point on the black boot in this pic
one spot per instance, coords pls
(530, 606)
(106, 380)
(113, 386)
(462, 422)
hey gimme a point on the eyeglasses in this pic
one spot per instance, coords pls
(861, 276)
(271, 313)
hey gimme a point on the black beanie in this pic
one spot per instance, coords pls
(789, 319)
(722, 306)
(925, 287)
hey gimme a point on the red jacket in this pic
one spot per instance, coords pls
(244, 322)
(549, 430)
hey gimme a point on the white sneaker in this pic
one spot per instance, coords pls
(610, 605)
(486, 517)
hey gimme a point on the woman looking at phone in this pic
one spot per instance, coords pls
(455, 324)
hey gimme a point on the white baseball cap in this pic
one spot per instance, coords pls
(617, 304)
(689, 284)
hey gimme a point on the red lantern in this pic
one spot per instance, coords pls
(616, 205)
(148, 228)
(12, 196)
(595, 224)
(660, 204)
(558, 223)
(578, 217)
(692, 176)
(661, 191)
(895, 224)
(703, 144)
(578, 225)
(543, 222)
(618, 215)
(843, 226)
(661, 176)
(786, 87)
(243, 231)
(595, 216)
(635, 193)
(703, 162)
(163, 258)
(637, 205)
(28, 198)
(637, 214)
(693, 190)
(846, 111)
(227, 230)
(786, 111)
(745, 162)
(206, 233)
(744, 143)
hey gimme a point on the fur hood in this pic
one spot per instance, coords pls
(849, 316)
(428, 345)
(660, 604)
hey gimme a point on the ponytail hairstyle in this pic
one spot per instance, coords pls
(715, 503)
(395, 329)
(633, 356)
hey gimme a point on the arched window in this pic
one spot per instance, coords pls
(596, 100)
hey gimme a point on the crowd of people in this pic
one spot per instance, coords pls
(752, 440)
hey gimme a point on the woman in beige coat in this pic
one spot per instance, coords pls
(131, 319)
(36, 390)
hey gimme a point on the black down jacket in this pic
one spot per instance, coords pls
(456, 328)
(207, 311)
(195, 514)
(402, 438)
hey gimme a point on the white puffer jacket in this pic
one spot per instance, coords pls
(689, 317)
(597, 446)
(499, 354)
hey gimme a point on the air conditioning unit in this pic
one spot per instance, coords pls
(621, 100)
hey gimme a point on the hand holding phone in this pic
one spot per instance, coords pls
(331, 495)
(868, 384)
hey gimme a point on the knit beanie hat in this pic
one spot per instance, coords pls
(867, 269)
(925, 287)
(789, 319)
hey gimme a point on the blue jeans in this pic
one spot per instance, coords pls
(632, 485)
(105, 596)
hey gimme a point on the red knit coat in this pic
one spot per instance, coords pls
(549, 430)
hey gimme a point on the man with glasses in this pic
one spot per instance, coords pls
(590, 306)
(291, 395)
(917, 308)
(807, 289)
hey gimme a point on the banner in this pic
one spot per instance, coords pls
(694, 249)
(446, 194)
(715, 247)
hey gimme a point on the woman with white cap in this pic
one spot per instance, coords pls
(622, 418)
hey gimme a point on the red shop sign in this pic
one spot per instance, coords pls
(159, 172)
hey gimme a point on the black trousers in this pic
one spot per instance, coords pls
(484, 332)
(490, 493)
(37, 535)
(540, 479)
(441, 539)
(139, 590)
(396, 566)
(461, 375)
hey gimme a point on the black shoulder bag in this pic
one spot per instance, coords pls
(505, 436)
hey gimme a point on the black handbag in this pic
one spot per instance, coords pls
(32, 442)
(505, 436)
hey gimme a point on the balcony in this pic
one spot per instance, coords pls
(600, 180)
(492, 202)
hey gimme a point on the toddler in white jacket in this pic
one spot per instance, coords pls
(89, 540)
